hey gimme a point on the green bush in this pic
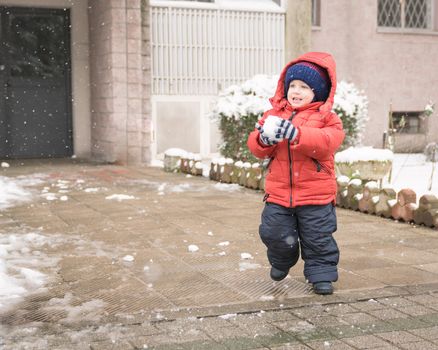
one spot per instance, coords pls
(235, 135)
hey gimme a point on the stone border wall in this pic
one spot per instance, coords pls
(352, 193)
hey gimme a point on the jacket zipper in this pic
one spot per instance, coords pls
(290, 161)
(320, 167)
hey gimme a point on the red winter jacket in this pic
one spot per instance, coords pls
(302, 173)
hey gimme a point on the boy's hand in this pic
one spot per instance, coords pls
(266, 140)
(286, 130)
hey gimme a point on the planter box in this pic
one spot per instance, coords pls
(365, 163)
(371, 170)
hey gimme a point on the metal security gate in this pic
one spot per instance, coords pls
(200, 51)
(35, 93)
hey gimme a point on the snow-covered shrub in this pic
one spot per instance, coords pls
(429, 109)
(237, 110)
(351, 106)
(239, 107)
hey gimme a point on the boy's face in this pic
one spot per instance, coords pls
(299, 94)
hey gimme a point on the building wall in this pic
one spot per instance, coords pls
(80, 67)
(146, 111)
(119, 90)
(391, 67)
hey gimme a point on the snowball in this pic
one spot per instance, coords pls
(5, 165)
(128, 258)
(246, 256)
(271, 125)
(193, 248)
(223, 244)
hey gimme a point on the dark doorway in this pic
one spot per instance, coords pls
(35, 93)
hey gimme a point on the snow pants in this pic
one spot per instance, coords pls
(311, 227)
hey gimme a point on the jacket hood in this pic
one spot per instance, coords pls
(322, 59)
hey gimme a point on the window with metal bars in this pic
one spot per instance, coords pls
(405, 14)
(408, 122)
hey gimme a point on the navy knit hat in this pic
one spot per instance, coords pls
(313, 75)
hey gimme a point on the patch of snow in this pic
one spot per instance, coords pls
(20, 261)
(246, 256)
(12, 190)
(176, 152)
(355, 154)
(227, 316)
(119, 197)
(392, 202)
(227, 187)
(372, 185)
(245, 265)
(128, 258)
(355, 182)
(157, 163)
(91, 190)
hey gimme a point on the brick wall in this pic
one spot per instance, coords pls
(119, 95)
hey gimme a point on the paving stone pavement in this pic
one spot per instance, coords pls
(138, 258)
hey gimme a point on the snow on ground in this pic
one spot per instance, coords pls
(13, 190)
(414, 172)
(23, 263)
(20, 263)
(119, 197)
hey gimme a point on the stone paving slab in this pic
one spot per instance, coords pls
(170, 298)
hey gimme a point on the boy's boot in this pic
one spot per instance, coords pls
(323, 288)
(278, 275)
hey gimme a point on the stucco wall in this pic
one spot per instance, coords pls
(80, 67)
(397, 68)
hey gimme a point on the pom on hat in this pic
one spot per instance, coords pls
(313, 75)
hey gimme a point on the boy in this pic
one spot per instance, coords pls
(300, 187)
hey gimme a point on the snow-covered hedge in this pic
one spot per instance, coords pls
(239, 107)
(351, 106)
